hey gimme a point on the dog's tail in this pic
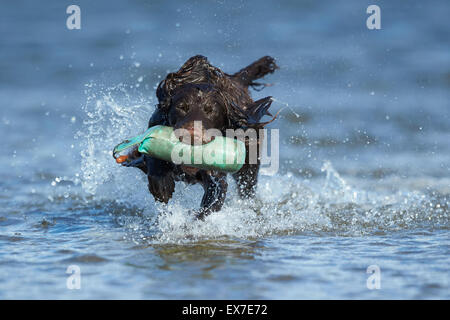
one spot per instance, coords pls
(256, 70)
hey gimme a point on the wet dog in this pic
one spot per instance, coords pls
(201, 92)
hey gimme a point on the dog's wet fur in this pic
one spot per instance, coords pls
(199, 91)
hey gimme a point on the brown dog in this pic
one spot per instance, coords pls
(202, 92)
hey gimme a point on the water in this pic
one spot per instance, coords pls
(364, 176)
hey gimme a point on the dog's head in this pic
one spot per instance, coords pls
(197, 108)
(201, 93)
(192, 95)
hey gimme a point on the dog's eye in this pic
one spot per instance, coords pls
(183, 107)
(208, 109)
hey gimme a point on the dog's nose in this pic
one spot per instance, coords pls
(197, 136)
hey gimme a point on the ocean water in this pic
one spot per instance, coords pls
(364, 177)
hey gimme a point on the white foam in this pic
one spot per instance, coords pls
(284, 203)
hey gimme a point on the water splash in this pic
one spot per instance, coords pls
(285, 204)
(112, 114)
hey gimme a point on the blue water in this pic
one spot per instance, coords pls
(364, 173)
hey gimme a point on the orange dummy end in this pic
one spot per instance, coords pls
(122, 159)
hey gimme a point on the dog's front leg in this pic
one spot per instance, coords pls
(215, 186)
(246, 180)
(161, 183)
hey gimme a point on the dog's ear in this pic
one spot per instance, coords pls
(250, 116)
(258, 109)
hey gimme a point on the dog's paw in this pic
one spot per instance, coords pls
(161, 187)
(134, 162)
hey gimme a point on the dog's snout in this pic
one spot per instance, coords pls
(193, 134)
